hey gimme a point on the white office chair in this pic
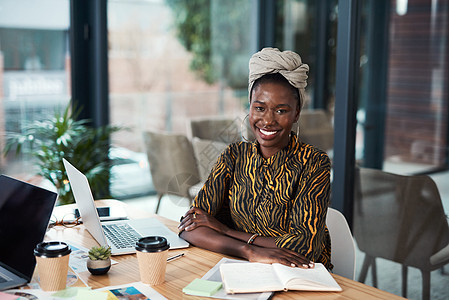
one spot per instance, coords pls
(342, 243)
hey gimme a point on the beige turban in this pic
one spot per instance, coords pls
(286, 63)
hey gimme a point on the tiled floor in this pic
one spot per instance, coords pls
(388, 273)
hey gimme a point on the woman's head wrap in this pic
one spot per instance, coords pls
(286, 63)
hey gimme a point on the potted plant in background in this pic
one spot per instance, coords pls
(99, 261)
(62, 136)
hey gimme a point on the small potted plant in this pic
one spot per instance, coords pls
(99, 261)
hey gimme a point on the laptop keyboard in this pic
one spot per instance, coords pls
(121, 235)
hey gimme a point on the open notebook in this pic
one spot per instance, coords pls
(259, 277)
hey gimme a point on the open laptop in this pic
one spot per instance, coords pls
(122, 243)
(25, 212)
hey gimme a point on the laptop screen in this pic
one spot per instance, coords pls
(25, 211)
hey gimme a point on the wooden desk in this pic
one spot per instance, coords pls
(180, 272)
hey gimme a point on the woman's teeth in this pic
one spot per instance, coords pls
(267, 132)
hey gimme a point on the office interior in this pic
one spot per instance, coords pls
(377, 93)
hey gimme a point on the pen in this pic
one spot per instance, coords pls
(176, 256)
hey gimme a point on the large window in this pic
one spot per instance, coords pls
(34, 69)
(174, 60)
(33, 49)
(403, 95)
(309, 28)
(402, 129)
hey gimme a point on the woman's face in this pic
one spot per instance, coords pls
(273, 111)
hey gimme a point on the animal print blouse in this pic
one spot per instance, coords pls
(285, 196)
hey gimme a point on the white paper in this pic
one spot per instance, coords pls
(134, 291)
(260, 277)
(214, 275)
(317, 278)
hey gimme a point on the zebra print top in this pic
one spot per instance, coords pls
(285, 196)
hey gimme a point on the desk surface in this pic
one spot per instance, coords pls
(180, 272)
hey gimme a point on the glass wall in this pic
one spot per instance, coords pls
(309, 28)
(174, 61)
(402, 130)
(296, 30)
(34, 70)
(417, 95)
(409, 120)
(170, 61)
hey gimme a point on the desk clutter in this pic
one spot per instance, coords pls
(135, 290)
(123, 280)
(54, 268)
(56, 282)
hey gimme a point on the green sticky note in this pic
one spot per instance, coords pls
(91, 295)
(69, 292)
(202, 287)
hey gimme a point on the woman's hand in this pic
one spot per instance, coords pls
(196, 217)
(278, 255)
(218, 237)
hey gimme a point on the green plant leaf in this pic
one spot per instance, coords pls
(62, 136)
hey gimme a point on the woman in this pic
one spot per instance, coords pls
(267, 201)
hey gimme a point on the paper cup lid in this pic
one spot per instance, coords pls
(152, 244)
(52, 249)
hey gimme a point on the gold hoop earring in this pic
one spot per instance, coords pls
(298, 130)
(241, 129)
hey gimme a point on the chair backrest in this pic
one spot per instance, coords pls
(399, 217)
(342, 243)
(206, 154)
(216, 128)
(316, 128)
(172, 163)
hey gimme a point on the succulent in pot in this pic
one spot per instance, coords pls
(99, 261)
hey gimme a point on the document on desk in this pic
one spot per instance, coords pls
(214, 275)
(135, 290)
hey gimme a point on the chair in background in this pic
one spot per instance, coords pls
(401, 219)
(206, 155)
(216, 128)
(210, 136)
(316, 129)
(172, 164)
(342, 243)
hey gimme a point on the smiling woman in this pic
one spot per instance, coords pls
(267, 201)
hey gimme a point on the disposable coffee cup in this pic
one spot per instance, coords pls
(52, 265)
(152, 252)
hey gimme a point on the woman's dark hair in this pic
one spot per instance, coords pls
(275, 78)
